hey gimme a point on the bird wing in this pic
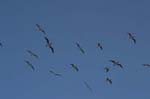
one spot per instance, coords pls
(109, 80)
(32, 54)
(47, 40)
(29, 64)
(80, 48)
(40, 29)
(88, 86)
(134, 40)
(52, 49)
(56, 74)
(75, 67)
(120, 65)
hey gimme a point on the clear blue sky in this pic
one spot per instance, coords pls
(68, 21)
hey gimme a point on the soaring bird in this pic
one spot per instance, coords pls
(32, 54)
(99, 46)
(116, 63)
(88, 86)
(109, 80)
(146, 65)
(54, 73)
(40, 29)
(29, 64)
(80, 48)
(74, 67)
(49, 44)
(132, 37)
(107, 69)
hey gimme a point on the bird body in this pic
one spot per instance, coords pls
(49, 44)
(132, 37)
(100, 46)
(74, 67)
(80, 48)
(107, 69)
(109, 80)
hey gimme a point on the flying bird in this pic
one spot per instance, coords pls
(99, 46)
(116, 63)
(132, 37)
(32, 54)
(80, 48)
(49, 44)
(109, 80)
(54, 73)
(74, 67)
(40, 29)
(107, 69)
(146, 65)
(29, 64)
(88, 86)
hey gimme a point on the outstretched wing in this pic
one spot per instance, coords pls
(40, 29)
(80, 48)
(88, 86)
(52, 49)
(56, 74)
(134, 40)
(29, 64)
(47, 40)
(120, 65)
(32, 54)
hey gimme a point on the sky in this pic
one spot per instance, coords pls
(68, 22)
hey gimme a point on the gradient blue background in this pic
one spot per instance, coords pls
(68, 21)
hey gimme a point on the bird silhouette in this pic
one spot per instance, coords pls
(99, 46)
(109, 80)
(88, 86)
(49, 44)
(74, 67)
(116, 63)
(80, 48)
(146, 65)
(29, 64)
(40, 29)
(54, 73)
(32, 54)
(132, 37)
